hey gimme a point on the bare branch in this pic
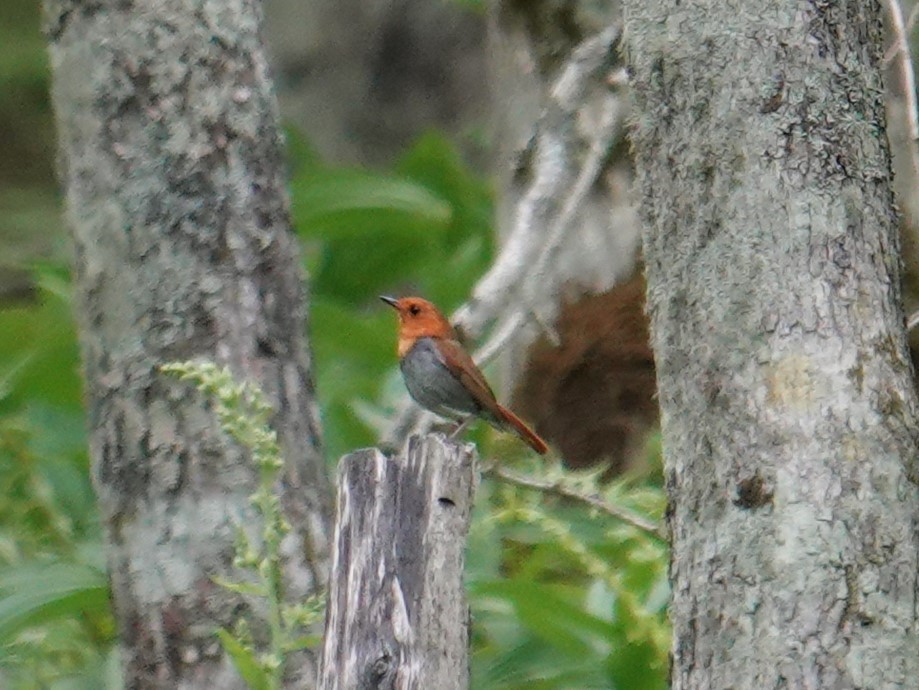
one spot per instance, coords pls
(559, 488)
(541, 222)
(912, 321)
(592, 166)
(500, 337)
(900, 50)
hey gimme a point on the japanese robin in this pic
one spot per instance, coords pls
(441, 376)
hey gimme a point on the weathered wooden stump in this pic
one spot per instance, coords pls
(397, 616)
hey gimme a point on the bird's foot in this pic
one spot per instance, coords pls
(459, 427)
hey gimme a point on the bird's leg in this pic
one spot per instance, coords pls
(462, 425)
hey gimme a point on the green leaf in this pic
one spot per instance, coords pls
(468, 261)
(356, 269)
(303, 642)
(345, 203)
(483, 554)
(437, 165)
(31, 594)
(9, 372)
(244, 660)
(555, 619)
(465, 246)
(302, 156)
(369, 231)
(249, 588)
(355, 350)
(40, 341)
(102, 672)
(637, 666)
(534, 665)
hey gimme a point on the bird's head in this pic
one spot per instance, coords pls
(418, 318)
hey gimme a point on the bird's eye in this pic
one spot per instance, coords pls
(414, 310)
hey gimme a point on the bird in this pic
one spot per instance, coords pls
(441, 376)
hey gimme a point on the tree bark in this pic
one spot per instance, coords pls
(172, 168)
(788, 410)
(397, 615)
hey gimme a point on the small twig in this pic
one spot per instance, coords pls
(912, 321)
(500, 337)
(548, 329)
(557, 488)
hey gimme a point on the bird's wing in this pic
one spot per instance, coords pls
(460, 364)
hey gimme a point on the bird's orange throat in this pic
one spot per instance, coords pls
(425, 326)
(406, 344)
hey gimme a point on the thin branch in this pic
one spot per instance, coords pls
(558, 488)
(546, 326)
(520, 250)
(908, 78)
(540, 220)
(500, 337)
(912, 321)
(590, 171)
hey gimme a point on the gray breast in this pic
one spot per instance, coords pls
(432, 385)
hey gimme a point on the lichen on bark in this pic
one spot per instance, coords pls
(788, 407)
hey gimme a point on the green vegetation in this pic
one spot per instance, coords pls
(243, 413)
(563, 595)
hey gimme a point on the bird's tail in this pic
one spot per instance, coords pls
(514, 423)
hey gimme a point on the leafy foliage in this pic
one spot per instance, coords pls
(573, 599)
(56, 628)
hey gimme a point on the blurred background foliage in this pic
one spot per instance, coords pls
(562, 597)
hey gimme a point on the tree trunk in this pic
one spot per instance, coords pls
(786, 393)
(172, 167)
(397, 615)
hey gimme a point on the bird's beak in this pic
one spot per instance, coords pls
(391, 301)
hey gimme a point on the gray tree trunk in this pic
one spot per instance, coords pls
(788, 409)
(397, 616)
(172, 168)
